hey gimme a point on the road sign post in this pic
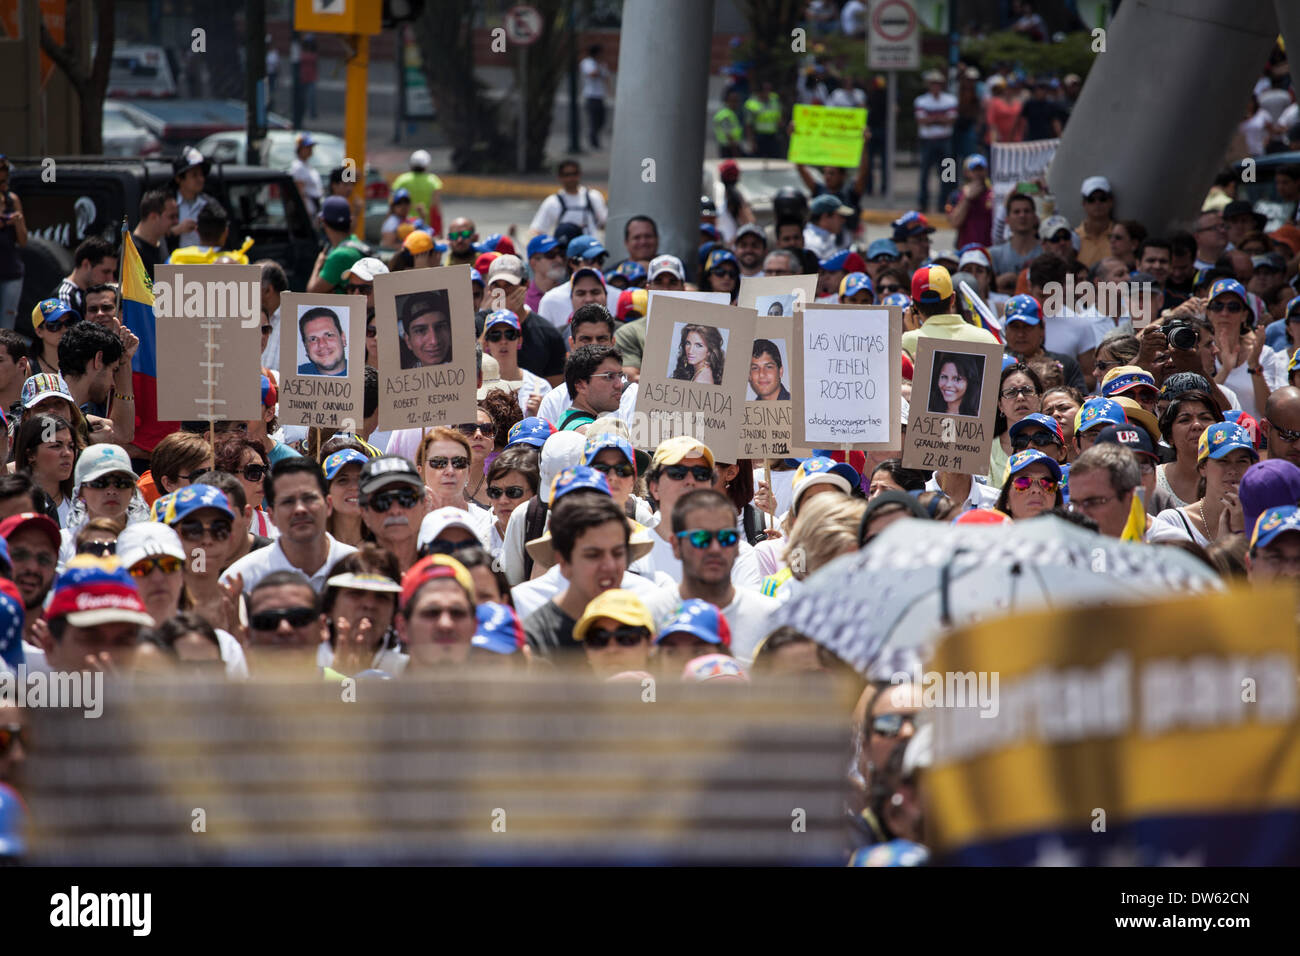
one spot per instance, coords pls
(523, 28)
(893, 44)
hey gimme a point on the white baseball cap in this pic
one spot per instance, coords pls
(420, 159)
(366, 269)
(562, 450)
(974, 257)
(666, 263)
(1094, 183)
(439, 520)
(506, 267)
(146, 539)
(99, 460)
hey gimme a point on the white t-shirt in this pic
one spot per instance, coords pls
(232, 655)
(593, 78)
(930, 103)
(1239, 379)
(533, 385)
(258, 564)
(555, 306)
(1172, 525)
(308, 181)
(271, 354)
(1070, 334)
(748, 615)
(586, 210)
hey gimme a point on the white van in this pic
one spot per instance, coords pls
(140, 70)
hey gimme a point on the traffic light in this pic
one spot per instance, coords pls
(401, 11)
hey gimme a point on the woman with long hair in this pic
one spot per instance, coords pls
(1224, 452)
(105, 487)
(1019, 394)
(343, 481)
(46, 448)
(481, 436)
(1178, 481)
(1126, 235)
(699, 356)
(512, 480)
(247, 460)
(721, 274)
(955, 389)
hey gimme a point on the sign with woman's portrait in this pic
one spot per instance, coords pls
(323, 360)
(699, 355)
(767, 431)
(954, 406)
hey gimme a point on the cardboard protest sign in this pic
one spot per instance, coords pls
(322, 360)
(767, 430)
(692, 382)
(847, 377)
(1080, 716)
(427, 374)
(954, 406)
(209, 321)
(827, 135)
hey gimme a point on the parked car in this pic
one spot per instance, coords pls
(278, 153)
(140, 69)
(1262, 192)
(759, 181)
(93, 195)
(123, 137)
(179, 123)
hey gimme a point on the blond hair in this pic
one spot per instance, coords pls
(827, 527)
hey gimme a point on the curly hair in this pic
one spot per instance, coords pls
(503, 408)
(712, 339)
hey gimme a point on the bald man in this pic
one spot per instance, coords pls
(1281, 424)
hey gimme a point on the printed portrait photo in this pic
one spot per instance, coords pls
(775, 304)
(955, 383)
(697, 353)
(768, 376)
(424, 328)
(322, 340)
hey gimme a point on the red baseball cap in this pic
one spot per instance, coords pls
(30, 518)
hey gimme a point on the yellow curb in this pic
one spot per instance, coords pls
(883, 217)
(488, 187)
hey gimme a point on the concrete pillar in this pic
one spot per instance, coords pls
(663, 73)
(1161, 104)
(1288, 22)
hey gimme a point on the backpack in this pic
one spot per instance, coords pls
(534, 525)
(565, 207)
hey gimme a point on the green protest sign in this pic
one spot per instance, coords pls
(827, 135)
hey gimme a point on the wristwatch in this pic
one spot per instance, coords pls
(1255, 370)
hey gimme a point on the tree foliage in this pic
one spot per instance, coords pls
(89, 84)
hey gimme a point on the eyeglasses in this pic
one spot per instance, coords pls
(1037, 439)
(110, 481)
(459, 234)
(624, 637)
(700, 538)
(460, 462)
(1087, 504)
(194, 530)
(166, 563)
(385, 500)
(469, 431)
(361, 289)
(1024, 483)
(698, 472)
(1232, 307)
(889, 289)
(513, 492)
(11, 734)
(891, 725)
(508, 335)
(623, 469)
(270, 620)
(100, 548)
(1019, 391)
(612, 376)
(254, 472)
(1284, 433)
(22, 556)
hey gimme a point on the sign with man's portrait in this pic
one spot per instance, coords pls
(322, 360)
(767, 430)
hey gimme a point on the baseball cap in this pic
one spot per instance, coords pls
(599, 442)
(418, 241)
(1180, 382)
(1270, 260)
(1137, 415)
(476, 276)
(387, 470)
(945, 255)
(400, 195)
(900, 299)
(1135, 440)
(1052, 225)
(1030, 456)
(420, 159)
(911, 223)
(710, 230)
(335, 463)
(855, 282)
(584, 247)
(1268, 484)
(52, 310)
(632, 303)
(666, 263)
(933, 76)
(719, 257)
(931, 284)
(1227, 287)
(577, 478)
(188, 159)
(1022, 308)
(501, 317)
(617, 604)
(498, 630)
(531, 431)
(145, 539)
(507, 268)
(439, 520)
(587, 271)
(561, 450)
(826, 204)
(496, 242)
(750, 229)
(843, 261)
(1099, 411)
(1220, 439)
(976, 161)
(1273, 523)
(40, 387)
(269, 392)
(1288, 235)
(305, 139)
(673, 451)
(881, 247)
(99, 460)
(94, 591)
(1095, 184)
(822, 471)
(431, 567)
(30, 519)
(714, 667)
(1041, 420)
(974, 257)
(1238, 207)
(185, 501)
(1123, 378)
(628, 269)
(364, 581)
(335, 213)
(699, 619)
(366, 269)
(484, 262)
(540, 245)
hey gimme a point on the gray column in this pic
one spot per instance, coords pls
(1161, 104)
(1288, 21)
(663, 73)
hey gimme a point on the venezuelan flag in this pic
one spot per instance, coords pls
(137, 315)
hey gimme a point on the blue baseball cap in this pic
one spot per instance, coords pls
(52, 310)
(699, 619)
(719, 257)
(856, 282)
(540, 245)
(575, 479)
(881, 247)
(401, 195)
(192, 498)
(1227, 287)
(628, 269)
(599, 442)
(822, 471)
(585, 247)
(501, 317)
(531, 431)
(709, 230)
(1273, 523)
(900, 299)
(499, 630)
(1030, 456)
(334, 463)
(1022, 308)
(1039, 419)
(476, 276)
(1099, 411)
(1292, 307)
(976, 161)
(842, 261)
(1221, 438)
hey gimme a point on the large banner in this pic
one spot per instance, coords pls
(1011, 163)
(1151, 735)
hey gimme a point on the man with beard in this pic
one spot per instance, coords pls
(33, 541)
(392, 499)
(751, 247)
(325, 341)
(546, 263)
(462, 235)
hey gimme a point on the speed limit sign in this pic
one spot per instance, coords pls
(523, 25)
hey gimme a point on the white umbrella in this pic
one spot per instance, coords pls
(879, 608)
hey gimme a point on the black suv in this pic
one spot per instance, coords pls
(91, 195)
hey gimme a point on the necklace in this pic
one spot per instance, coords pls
(1200, 506)
(469, 495)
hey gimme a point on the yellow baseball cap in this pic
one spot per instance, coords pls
(417, 242)
(672, 451)
(619, 605)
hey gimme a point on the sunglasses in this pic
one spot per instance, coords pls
(1097, 198)
(166, 563)
(361, 289)
(698, 472)
(371, 332)
(470, 430)
(1285, 433)
(1024, 483)
(460, 234)
(439, 546)
(624, 636)
(254, 472)
(623, 469)
(460, 462)
(99, 548)
(1037, 439)
(383, 501)
(889, 289)
(194, 530)
(270, 620)
(885, 257)
(891, 725)
(513, 492)
(101, 310)
(1232, 307)
(11, 734)
(700, 539)
(509, 335)
(110, 481)
(725, 273)
(55, 325)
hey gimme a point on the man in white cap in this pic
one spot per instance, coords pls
(304, 175)
(666, 274)
(423, 187)
(1094, 231)
(190, 173)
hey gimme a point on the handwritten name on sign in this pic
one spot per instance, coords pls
(954, 406)
(322, 360)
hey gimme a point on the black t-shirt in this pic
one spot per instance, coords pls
(150, 254)
(543, 349)
(1038, 116)
(549, 630)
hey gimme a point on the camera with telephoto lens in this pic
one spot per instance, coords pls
(1181, 335)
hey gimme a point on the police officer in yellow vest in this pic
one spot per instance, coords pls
(728, 129)
(763, 114)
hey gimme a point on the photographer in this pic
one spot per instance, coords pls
(1182, 340)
